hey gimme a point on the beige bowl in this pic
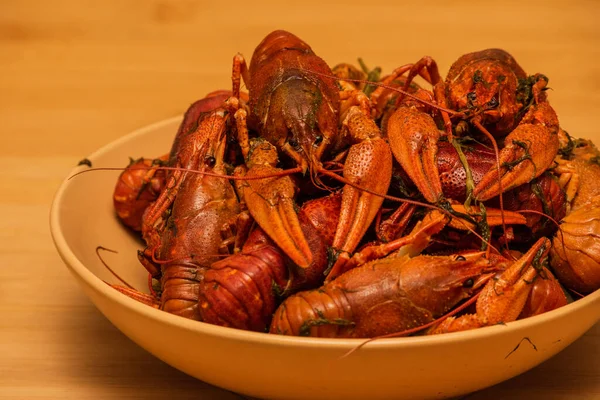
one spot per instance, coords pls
(270, 366)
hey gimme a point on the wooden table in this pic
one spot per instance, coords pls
(75, 75)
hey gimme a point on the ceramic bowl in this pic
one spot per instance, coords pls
(271, 366)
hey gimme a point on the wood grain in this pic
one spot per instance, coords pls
(75, 75)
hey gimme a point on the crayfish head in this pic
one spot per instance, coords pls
(438, 283)
(306, 122)
(485, 83)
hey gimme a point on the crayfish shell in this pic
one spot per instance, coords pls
(487, 78)
(575, 254)
(585, 163)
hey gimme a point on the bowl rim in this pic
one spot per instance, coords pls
(79, 269)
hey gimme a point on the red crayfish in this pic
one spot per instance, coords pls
(241, 232)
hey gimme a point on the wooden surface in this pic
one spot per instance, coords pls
(75, 75)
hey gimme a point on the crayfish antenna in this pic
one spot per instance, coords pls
(98, 248)
(127, 290)
(284, 172)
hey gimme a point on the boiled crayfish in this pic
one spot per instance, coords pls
(495, 199)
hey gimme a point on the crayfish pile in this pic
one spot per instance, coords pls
(340, 203)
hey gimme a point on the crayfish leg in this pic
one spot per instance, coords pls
(411, 245)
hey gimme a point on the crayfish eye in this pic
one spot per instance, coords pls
(468, 283)
(318, 140)
(493, 103)
(294, 143)
(472, 96)
(460, 258)
(210, 161)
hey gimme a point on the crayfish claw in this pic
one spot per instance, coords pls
(270, 201)
(413, 137)
(368, 166)
(529, 150)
